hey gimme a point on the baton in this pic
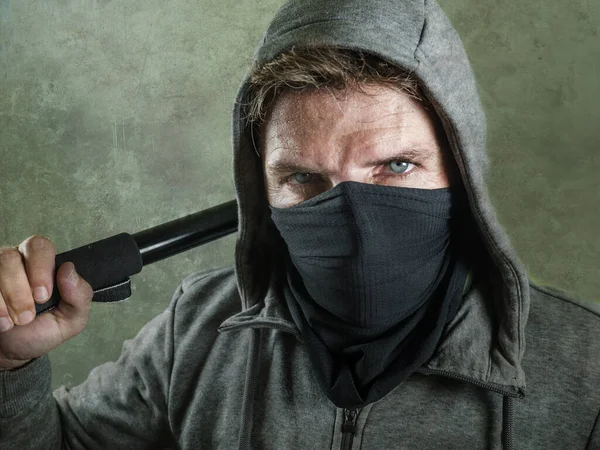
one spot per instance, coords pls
(107, 264)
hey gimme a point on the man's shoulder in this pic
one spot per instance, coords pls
(554, 304)
(202, 279)
(562, 333)
(206, 298)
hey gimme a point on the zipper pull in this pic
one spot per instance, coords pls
(349, 425)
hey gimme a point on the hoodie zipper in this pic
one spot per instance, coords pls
(348, 428)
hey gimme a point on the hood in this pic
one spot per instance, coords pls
(416, 36)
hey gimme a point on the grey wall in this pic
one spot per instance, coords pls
(115, 116)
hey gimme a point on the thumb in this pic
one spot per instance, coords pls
(76, 294)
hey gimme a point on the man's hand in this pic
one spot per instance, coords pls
(25, 270)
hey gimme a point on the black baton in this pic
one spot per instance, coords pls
(107, 264)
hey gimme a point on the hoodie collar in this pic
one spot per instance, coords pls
(458, 356)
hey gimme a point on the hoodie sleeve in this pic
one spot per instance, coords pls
(122, 404)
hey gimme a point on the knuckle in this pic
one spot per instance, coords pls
(20, 299)
(87, 288)
(9, 256)
(37, 243)
(83, 295)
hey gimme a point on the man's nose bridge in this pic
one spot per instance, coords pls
(348, 175)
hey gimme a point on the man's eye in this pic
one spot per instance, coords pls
(399, 167)
(300, 178)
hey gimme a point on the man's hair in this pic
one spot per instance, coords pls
(318, 67)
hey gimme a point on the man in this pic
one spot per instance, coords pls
(375, 301)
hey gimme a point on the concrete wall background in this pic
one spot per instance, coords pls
(115, 116)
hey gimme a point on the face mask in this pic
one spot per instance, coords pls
(372, 277)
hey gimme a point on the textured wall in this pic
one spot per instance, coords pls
(115, 116)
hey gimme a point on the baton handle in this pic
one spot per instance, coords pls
(102, 263)
(111, 261)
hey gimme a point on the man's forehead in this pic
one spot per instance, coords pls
(301, 118)
(379, 102)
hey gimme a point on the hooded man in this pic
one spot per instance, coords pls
(375, 302)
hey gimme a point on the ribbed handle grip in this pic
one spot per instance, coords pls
(102, 263)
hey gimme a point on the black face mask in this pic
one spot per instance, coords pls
(373, 274)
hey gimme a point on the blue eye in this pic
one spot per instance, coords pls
(399, 166)
(301, 178)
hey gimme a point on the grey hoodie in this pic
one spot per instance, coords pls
(226, 367)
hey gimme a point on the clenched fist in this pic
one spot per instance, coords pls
(27, 276)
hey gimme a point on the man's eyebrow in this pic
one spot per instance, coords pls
(283, 166)
(409, 153)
